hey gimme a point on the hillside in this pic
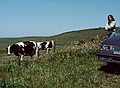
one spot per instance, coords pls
(71, 66)
(61, 39)
(78, 35)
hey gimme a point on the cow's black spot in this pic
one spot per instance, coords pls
(16, 49)
(43, 45)
(29, 48)
(50, 45)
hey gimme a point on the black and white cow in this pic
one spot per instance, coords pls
(21, 49)
(47, 45)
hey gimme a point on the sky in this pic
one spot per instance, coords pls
(21, 18)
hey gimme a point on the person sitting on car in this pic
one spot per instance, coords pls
(110, 26)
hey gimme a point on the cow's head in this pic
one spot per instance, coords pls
(8, 50)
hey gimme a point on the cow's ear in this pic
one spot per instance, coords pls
(5, 48)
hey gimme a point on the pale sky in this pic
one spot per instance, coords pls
(20, 18)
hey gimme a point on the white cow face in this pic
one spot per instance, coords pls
(8, 50)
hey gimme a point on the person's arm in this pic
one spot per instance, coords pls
(112, 25)
(107, 27)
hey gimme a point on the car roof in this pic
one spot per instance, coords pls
(115, 40)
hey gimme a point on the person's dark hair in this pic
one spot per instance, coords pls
(111, 17)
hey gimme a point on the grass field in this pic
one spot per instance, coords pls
(73, 65)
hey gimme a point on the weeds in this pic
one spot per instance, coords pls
(74, 67)
(71, 66)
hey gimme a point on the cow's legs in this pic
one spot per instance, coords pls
(47, 50)
(21, 57)
(51, 50)
(53, 47)
(37, 52)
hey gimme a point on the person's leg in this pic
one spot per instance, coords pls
(112, 34)
(108, 35)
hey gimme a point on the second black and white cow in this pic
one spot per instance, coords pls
(21, 49)
(47, 45)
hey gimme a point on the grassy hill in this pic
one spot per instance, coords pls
(61, 39)
(73, 65)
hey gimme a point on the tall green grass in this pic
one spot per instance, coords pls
(73, 65)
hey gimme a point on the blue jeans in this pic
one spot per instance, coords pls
(110, 34)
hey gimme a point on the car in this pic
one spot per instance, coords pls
(109, 50)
